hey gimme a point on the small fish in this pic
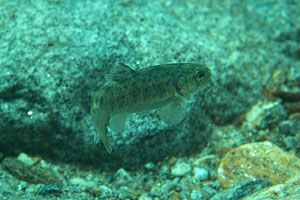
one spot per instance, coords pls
(161, 87)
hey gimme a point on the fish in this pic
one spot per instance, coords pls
(162, 87)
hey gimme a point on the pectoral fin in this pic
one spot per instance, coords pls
(172, 114)
(117, 122)
(101, 120)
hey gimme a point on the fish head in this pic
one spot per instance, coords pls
(192, 78)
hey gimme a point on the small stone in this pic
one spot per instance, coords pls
(291, 142)
(210, 189)
(273, 116)
(81, 182)
(122, 177)
(180, 169)
(289, 128)
(27, 160)
(266, 115)
(46, 165)
(145, 196)
(196, 195)
(200, 174)
(255, 161)
(48, 189)
(102, 192)
(149, 166)
(124, 192)
(105, 192)
(168, 187)
(164, 170)
(155, 192)
(22, 186)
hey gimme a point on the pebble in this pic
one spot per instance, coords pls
(200, 174)
(211, 189)
(164, 171)
(48, 189)
(181, 169)
(145, 196)
(254, 161)
(155, 192)
(273, 116)
(266, 115)
(101, 192)
(105, 192)
(150, 166)
(196, 195)
(289, 128)
(27, 160)
(82, 182)
(122, 177)
(22, 186)
(124, 192)
(168, 187)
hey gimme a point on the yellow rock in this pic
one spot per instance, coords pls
(254, 161)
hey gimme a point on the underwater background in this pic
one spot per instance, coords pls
(239, 139)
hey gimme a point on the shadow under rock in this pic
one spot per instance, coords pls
(52, 140)
(182, 140)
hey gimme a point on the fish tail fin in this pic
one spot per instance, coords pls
(101, 121)
(104, 139)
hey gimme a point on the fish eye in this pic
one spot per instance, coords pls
(199, 76)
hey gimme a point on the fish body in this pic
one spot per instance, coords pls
(130, 91)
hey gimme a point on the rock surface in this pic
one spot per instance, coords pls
(30, 173)
(52, 64)
(257, 161)
(286, 191)
(55, 54)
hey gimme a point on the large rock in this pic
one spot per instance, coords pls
(55, 54)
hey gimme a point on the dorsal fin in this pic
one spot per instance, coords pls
(119, 72)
